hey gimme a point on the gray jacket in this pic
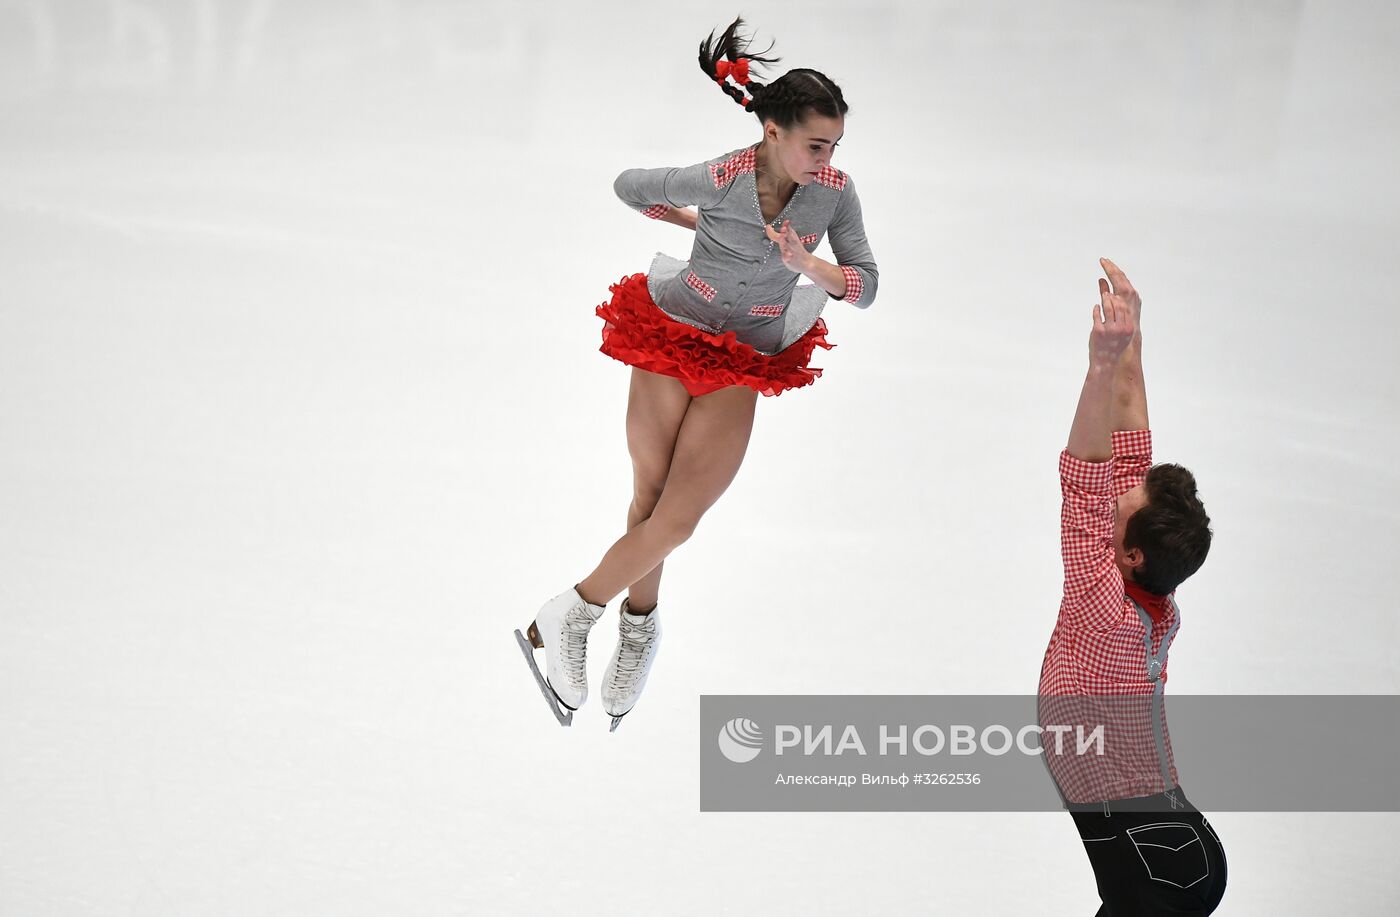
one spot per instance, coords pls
(735, 279)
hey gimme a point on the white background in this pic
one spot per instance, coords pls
(301, 414)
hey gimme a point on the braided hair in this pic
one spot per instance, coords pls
(787, 100)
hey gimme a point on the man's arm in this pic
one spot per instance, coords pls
(1129, 389)
(1093, 588)
(1132, 454)
(1112, 332)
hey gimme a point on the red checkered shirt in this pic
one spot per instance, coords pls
(1097, 649)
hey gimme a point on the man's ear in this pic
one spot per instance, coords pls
(1134, 558)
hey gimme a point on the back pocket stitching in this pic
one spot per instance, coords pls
(1137, 846)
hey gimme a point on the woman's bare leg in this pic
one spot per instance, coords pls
(713, 437)
(656, 405)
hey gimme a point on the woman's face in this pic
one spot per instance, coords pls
(805, 148)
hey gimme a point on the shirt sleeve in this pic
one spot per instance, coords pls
(1093, 595)
(852, 250)
(652, 192)
(1132, 459)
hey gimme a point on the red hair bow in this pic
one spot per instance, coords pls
(739, 69)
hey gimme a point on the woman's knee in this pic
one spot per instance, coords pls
(643, 505)
(673, 527)
(646, 492)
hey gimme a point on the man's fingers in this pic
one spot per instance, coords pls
(1119, 312)
(1121, 284)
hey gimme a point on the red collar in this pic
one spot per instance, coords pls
(1157, 605)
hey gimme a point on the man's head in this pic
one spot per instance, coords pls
(1161, 533)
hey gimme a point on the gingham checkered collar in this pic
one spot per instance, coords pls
(743, 162)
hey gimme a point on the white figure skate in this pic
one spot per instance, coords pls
(638, 638)
(561, 630)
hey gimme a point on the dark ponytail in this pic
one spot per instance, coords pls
(731, 46)
(788, 99)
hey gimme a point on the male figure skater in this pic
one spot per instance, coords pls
(1130, 533)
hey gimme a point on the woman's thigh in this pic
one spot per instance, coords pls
(656, 405)
(710, 447)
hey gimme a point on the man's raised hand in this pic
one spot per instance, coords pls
(1114, 325)
(1121, 289)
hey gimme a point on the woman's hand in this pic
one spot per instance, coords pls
(796, 258)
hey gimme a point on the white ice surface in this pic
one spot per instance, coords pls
(301, 413)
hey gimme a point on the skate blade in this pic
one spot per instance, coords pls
(565, 719)
(615, 721)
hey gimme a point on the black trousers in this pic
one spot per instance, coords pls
(1151, 857)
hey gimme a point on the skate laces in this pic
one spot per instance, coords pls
(632, 648)
(573, 644)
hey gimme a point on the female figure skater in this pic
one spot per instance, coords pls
(704, 338)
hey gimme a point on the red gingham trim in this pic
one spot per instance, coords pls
(768, 309)
(740, 163)
(809, 240)
(700, 286)
(832, 178)
(656, 212)
(854, 285)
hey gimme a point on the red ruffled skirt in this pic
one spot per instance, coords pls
(638, 333)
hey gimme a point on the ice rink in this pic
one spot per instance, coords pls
(301, 413)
